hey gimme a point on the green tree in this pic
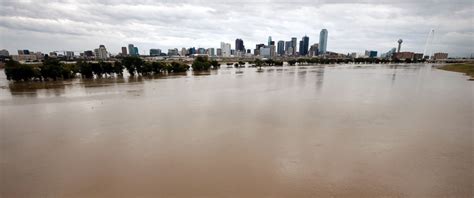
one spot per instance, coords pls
(147, 68)
(201, 63)
(17, 71)
(215, 64)
(292, 62)
(107, 68)
(178, 67)
(97, 69)
(258, 63)
(69, 71)
(118, 68)
(132, 64)
(158, 67)
(51, 69)
(85, 69)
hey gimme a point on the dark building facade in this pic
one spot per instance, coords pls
(304, 46)
(239, 45)
(281, 48)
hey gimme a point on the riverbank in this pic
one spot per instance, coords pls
(466, 68)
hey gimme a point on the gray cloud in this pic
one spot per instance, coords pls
(353, 25)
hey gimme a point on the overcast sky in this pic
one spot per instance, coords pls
(354, 26)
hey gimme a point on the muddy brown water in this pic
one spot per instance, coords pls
(308, 131)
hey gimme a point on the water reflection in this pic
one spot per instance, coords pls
(312, 131)
(319, 78)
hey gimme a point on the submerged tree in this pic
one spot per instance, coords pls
(132, 64)
(215, 64)
(201, 63)
(51, 69)
(17, 71)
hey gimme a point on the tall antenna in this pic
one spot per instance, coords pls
(428, 44)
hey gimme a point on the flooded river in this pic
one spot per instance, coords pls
(307, 131)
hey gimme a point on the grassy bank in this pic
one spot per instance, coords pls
(466, 68)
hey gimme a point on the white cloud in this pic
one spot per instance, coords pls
(353, 25)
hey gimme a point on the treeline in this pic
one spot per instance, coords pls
(302, 61)
(268, 62)
(49, 69)
(53, 69)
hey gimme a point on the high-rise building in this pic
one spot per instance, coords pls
(87, 54)
(183, 52)
(300, 51)
(389, 54)
(211, 52)
(288, 44)
(192, 51)
(290, 51)
(257, 49)
(69, 55)
(370, 53)
(225, 49)
(281, 48)
(304, 46)
(124, 51)
(135, 51)
(101, 53)
(293, 45)
(173, 52)
(201, 51)
(219, 52)
(131, 49)
(239, 45)
(269, 40)
(23, 52)
(323, 41)
(155, 52)
(314, 50)
(249, 51)
(265, 52)
(4, 53)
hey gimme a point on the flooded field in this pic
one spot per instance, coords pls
(307, 131)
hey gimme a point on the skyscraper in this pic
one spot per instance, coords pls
(314, 49)
(323, 41)
(155, 52)
(300, 51)
(183, 52)
(131, 49)
(239, 45)
(225, 49)
(124, 51)
(281, 48)
(135, 51)
(293, 44)
(305, 45)
(101, 53)
(201, 50)
(269, 40)
(288, 45)
(4, 53)
(257, 49)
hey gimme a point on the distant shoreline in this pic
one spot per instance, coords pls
(466, 68)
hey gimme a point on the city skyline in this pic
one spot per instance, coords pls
(354, 27)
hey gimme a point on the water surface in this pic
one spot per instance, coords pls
(307, 131)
